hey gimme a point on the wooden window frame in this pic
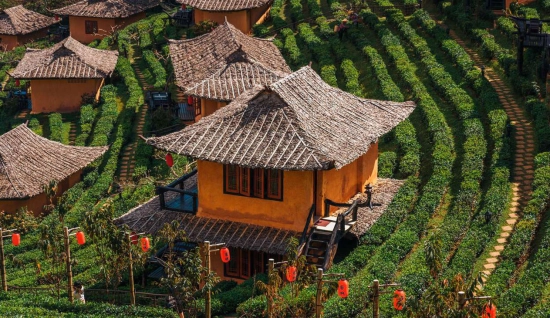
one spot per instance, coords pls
(90, 27)
(227, 175)
(249, 184)
(279, 195)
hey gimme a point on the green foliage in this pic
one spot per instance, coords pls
(386, 164)
(296, 10)
(29, 305)
(351, 75)
(321, 53)
(291, 50)
(87, 117)
(56, 127)
(125, 69)
(260, 30)
(156, 68)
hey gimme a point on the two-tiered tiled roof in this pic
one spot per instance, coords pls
(108, 9)
(225, 5)
(28, 162)
(67, 59)
(18, 21)
(297, 123)
(222, 64)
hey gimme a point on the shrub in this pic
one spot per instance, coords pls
(386, 164)
(156, 68)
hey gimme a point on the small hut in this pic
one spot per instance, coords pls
(243, 14)
(29, 162)
(61, 75)
(19, 26)
(95, 19)
(269, 166)
(218, 66)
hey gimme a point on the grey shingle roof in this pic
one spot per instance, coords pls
(28, 162)
(18, 21)
(225, 5)
(67, 59)
(107, 8)
(297, 123)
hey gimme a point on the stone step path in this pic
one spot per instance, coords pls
(128, 164)
(72, 134)
(24, 114)
(523, 170)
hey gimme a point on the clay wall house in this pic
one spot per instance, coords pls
(267, 165)
(218, 66)
(19, 26)
(95, 19)
(29, 162)
(243, 14)
(59, 76)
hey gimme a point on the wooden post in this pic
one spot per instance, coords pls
(318, 304)
(375, 299)
(270, 269)
(461, 300)
(3, 263)
(69, 269)
(208, 302)
(131, 268)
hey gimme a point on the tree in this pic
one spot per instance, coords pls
(183, 271)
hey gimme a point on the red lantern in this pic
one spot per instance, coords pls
(291, 273)
(343, 288)
(145, 244)
(56, 17)
(399, 299)
(15, 239)
(224, 254)
(134, 238)
(17, 83)
(189, 100)
(489, 311)
(80, 238)
(169, 160)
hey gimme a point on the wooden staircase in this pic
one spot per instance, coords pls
(322, 241)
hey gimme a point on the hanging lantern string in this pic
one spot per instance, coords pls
(219, 245)
(7, 231)
(387, 285)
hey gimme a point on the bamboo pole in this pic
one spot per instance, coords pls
(270, 269)
(375, 299)
(131, 269)
(69, 269)
(208, 302)
(318, 304)
(3, 263)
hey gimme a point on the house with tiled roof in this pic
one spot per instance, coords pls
(95, 19)
(29, 162)
(218, 66)
(61, 75)
(243, 14)
(19, 26)
(283, 160)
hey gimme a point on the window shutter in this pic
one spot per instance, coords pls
(275, 184)
(259, 183)
(231, 179)
(245, 181)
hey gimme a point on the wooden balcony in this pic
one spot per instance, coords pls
(181, 195)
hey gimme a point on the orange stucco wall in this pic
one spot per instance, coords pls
(240, 19)
(36, 203)
(9, 42)
(290, 213)
(209, 106)
(340, 185)
(258, 15)
(58, 95)
(77, 26)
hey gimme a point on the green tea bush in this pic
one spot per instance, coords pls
(156, 68)
(56, 127)
(386, 164)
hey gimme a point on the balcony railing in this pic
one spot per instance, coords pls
(181, 195)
